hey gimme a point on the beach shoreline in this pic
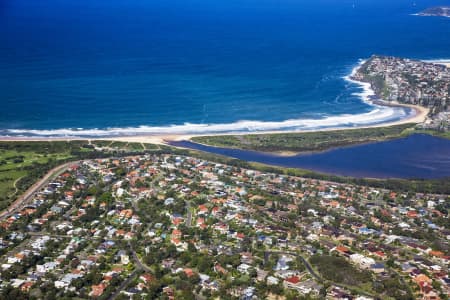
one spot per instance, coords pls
(443, 62)
(419, 116)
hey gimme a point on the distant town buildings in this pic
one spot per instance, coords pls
(400, 80)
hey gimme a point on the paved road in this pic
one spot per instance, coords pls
(124, 284)
(139, 267)
(305, 262)
(314, 274)
(138, 261)
(189, 214)
(28, 195)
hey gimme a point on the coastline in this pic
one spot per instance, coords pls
(443, 62)
(419, 116)
(170, 133)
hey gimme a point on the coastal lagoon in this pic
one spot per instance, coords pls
(415, 156)
(108, 68)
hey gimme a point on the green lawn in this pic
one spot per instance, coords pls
(24, 163)
(27, 158)
(19, 162)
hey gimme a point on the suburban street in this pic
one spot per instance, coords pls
(27, 196)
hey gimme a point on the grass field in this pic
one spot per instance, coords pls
(23, 163)
(19, 161)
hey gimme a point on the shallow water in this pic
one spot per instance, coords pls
(416, 156)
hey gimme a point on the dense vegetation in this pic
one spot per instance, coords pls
(306, 141)
(339, 270)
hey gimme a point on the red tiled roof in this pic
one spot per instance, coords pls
(293, 279)
(342, 249)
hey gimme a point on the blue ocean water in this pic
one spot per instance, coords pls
(155, 65)
(416, 156)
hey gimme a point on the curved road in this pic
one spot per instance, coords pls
(314, 274)
(25, 197)
(139, 267)
(305, 262)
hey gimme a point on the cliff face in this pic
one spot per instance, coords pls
(407, 81)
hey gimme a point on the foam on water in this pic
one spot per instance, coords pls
(80, 68)
(378, 115)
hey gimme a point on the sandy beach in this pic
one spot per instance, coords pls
(164, 134)
(444, 62)
(419, 116)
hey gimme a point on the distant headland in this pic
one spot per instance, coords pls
(437, 11)
(406, 81)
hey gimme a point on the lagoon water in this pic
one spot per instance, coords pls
(416, 156)
(93, 67)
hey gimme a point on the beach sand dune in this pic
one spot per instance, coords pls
(419, 116)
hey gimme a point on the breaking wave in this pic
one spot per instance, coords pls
(378, 115)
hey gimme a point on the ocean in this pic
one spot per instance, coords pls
(99, 68)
